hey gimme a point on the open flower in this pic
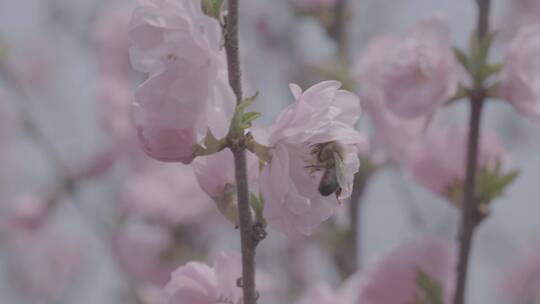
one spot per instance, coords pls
(418, 73)
(187, 92)
(393, 278)
(520, 77)
(197, 283)
(315, 154)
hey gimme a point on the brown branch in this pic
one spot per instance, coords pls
(471, 216)
(248, 238)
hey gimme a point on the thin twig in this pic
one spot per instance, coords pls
(471, 217)
(339, 30)
(247, 236)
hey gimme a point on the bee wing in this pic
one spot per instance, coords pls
(340, 169)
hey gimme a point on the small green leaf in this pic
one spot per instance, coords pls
(247, 102)
(489, 70)
(463, 59)
(461, 93)
(227, 205)
(431, 291)
(238, 124)
(248, 117)
(257, 203)
(211, 145)
(262, 151)
(210, 141)
(508, 178)
(492, 183)
(212, 8)
(484, 46)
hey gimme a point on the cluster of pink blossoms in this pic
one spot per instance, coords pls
(398, 271)
(520, 77)
(402, 83)
(186, 103)
(187, 95)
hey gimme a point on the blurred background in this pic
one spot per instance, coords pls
(86, 218)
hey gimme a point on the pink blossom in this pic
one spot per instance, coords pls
(521, 283)
(439, 173)
(418, 73)
(42, 259)
(188, 91)
(321, 293)
(168, 194)
(393, 134)
(520, 77)
(165, 32)
(140, 250)
(314, 4)
(216, 177)
(392, 279)
(522, 13)
(25, 213)
(197, 283)
(322, 117)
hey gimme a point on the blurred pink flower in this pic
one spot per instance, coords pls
(140, 250)
(197, 283)
(314, 4)
(168, 194)
(393, 134)
(215, 174)
(321, 293)
(167, 32)
(112, 43)
(43, 262)
(25, 213)
(417, 74)
(438, 162)
(520, 77)
(114, 97)
(322, 118)
(521, 283)
(522, 13)
(188, 91)
(392, 279)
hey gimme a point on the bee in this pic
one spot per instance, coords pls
(329, 157)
